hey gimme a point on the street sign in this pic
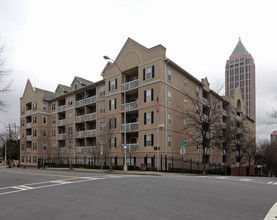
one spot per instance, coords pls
(183, 151)
(182, 144)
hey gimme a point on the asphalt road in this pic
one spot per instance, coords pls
(44, 194)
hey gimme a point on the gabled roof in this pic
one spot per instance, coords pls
(47, 94)
(65, 88)
(239, 48)
(82, 81)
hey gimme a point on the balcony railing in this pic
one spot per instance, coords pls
(62, 150)
(91, 133)
(61, 122)
(81, 149)
(205, 101)
(80, 118)
(80, 103)
(91, 149)
(61, 108)
(130, 106)
(238, 118)
(29, 112)
(131, 147)
(80, 134)
(131, 126)
(61, 136)
(91, 116)
(28, 137)
(91, 100)
(28, 150)
(130, 85)
(28, 125)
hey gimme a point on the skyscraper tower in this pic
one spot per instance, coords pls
(240, 72)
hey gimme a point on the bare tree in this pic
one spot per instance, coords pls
(4, 86)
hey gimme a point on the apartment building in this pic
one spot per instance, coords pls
(85, 123)
(240, 72)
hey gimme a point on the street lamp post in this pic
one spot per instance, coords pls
(124, 146)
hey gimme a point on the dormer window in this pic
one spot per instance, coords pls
(76, 86)
(59, 93)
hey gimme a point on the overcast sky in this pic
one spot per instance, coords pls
(51, 41)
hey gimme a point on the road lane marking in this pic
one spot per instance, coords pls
(245, 180)
(272, 214)
(39, 185)
(39, 174)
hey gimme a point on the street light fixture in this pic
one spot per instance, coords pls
(125, 145)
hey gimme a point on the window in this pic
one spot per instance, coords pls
(53, 133)
(22, 122)
(22, 111)
(149, 73)
(34, 119)
(112, 123)
(148, 95)
(44, 146)
(28, 159)
(22, 146)
(169, 95)
(44, 106)
(197, 144)
(70, 131)
(102, 108)
(169, 119)
(113, 85)
(112, 104)
(185, 101)
(34, 146)
(22, 158)
(34, 159)
(90, 160)
(70, 116)
(34, 133)
(113, 142)
(69, 101)
(148, 118)
(185, 121)
(59, 93)
(44, 120)
(102, 91)
(44, 133)
(102, 126)
(169, 140)
(148, 140)
(69, 145)
(169, 75)
(112, 161)
(53, 146)
(53, 106)
(35, 106)
(185, 82)
(197, 91)
(53, 119)
(76, 86)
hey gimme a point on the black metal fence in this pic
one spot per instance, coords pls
(146, 163)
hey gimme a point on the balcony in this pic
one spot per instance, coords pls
(91, 133)
(28, 125)
(80, 134)
(28, 137)
(238, 117)
(29, 112)
(80, 103)
(131, 147)
(205, 101)
(61, 122)
(28, 150)
(61, 136)
(62, 150)
(131, 126)
(61, 108)
(91, 149)
(129, 85)
(80, 150)
(80, 118)
(90, 100)
(130, 106)
(91, 116)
